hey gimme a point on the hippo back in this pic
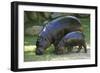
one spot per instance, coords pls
(74, 35)
(74, 38)
(62, 26)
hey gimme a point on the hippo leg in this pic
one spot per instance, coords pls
(55, 45)
(80, 47)
(69, 49)
(85, 49)
(84, 46)
(55, 50)
(60, 51)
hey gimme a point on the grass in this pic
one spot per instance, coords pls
(86, 26)
(50, 56)
(30, 41)
(29, 54)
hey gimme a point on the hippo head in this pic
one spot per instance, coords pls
(41, 44)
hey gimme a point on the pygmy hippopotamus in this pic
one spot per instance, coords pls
(70, 40)
(55, 30)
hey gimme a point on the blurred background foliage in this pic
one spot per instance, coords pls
(40, 18)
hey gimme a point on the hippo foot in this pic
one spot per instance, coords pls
(77, 51)
(85, 52)
(59, 53)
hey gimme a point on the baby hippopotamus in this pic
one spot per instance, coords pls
(70, 40)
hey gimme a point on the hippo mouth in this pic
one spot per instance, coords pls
(39, 51)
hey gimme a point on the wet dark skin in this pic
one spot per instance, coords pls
(70, 40)
(53, 32)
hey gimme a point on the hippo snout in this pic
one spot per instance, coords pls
(39, 51)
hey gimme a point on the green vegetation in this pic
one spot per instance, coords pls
(86, 28)
(30, 40)
(30, 55)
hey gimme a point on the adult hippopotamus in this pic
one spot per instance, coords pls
(70, 40)
(55, 30)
